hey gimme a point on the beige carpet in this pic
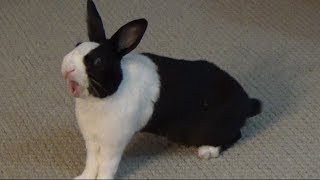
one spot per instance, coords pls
(271, 47)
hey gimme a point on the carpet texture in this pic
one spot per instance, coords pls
(271, 47)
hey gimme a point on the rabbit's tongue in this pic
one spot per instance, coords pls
(74, 88)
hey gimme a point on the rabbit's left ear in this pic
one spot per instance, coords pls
(94, 24)
(129, 36)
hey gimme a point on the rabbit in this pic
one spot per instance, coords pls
(119, 93)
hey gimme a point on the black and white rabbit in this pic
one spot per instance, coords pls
(119, 93)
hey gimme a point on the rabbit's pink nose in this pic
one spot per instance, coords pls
(67, 73)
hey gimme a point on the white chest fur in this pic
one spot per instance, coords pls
(128, 109)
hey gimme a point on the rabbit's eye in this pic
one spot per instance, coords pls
(97, 61)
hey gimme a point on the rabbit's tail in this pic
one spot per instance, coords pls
(255, 107)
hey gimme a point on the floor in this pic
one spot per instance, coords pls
(271, 47)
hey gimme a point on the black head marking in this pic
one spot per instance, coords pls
(103, 63)
(103, 69)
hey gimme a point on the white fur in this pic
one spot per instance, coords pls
(207, 152)
(108, 124)
(74, 60)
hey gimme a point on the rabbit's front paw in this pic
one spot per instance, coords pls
(105, 176)
(85, 176)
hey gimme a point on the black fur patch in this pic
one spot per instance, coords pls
(199, 103)
(103, 69)
(78, 44)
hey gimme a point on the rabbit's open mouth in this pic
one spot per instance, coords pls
(74, 88)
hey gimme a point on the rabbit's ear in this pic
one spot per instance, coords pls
(94, 23)
(128, 36)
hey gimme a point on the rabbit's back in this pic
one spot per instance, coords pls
(199, 103)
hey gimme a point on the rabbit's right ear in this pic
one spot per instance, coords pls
(94, 24)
